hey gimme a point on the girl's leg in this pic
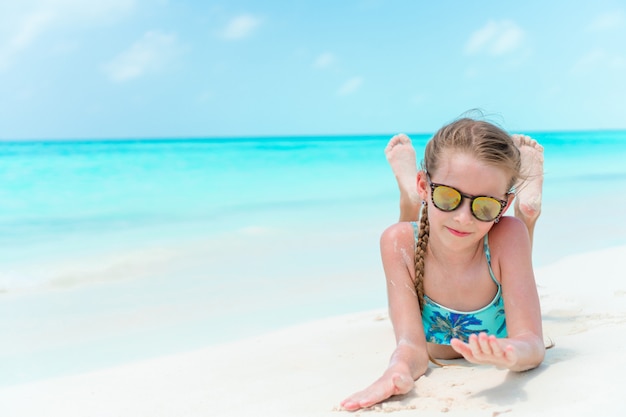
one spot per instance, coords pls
(527, 203)
(401, 156)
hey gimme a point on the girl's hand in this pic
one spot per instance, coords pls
(487, 350)
(395, 381)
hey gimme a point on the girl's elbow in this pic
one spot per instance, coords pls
(537, 357)
(533, 356)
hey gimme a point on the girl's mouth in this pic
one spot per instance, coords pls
(457, 232)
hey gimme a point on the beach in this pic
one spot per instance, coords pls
(237, 278)
(306, 370)
(193, 197)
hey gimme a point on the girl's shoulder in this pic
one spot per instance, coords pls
(508, 227)
(509, 239)
(403, 232)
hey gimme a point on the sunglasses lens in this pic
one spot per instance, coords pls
(486, 208)
(446, 198)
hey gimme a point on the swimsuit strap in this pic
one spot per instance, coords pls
(488, 256)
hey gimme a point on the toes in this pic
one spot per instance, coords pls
(519, 139)
(398, 139)
(525, 140)
(403, 138)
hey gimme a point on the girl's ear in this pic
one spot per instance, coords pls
(510, 199)
(422, 185)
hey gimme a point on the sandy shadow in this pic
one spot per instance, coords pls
(512, 389)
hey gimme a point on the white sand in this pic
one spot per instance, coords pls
(307, 370)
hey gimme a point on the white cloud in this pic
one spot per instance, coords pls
(25, 22)
(608, 21)
(149, 54)
(418, 99)
(324, 61)
(599, 60)
(351, 86)
(205, 96)
(93, 10)
(240, 27)
(472, 72)
(495, 38)
(23, 35)
(31, 27)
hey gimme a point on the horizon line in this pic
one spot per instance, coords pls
(267, 136)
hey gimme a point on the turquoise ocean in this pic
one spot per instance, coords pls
(118, 250)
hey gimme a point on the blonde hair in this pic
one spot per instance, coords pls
(484, 141)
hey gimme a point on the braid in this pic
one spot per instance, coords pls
(420, 253)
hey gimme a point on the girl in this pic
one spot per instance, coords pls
(461, 283)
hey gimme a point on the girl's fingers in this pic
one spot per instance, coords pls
(485, 349)
(474, 345)
(485, 344)
(495, 347)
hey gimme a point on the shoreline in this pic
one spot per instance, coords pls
(307, 369)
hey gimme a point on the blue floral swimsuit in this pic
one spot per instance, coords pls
(441, 324)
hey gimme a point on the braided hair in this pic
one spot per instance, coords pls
(420, 254)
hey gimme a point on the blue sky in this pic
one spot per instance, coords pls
(157, 68)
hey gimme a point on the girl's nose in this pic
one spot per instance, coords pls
(463, 214)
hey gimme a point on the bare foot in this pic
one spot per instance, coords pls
(529, 189)
(396, 380)
(401, 156)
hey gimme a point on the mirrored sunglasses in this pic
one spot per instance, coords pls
(483, 208)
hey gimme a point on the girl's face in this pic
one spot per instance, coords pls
(471, 177)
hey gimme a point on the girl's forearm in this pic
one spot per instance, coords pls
(530, 351)
(411, 355)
